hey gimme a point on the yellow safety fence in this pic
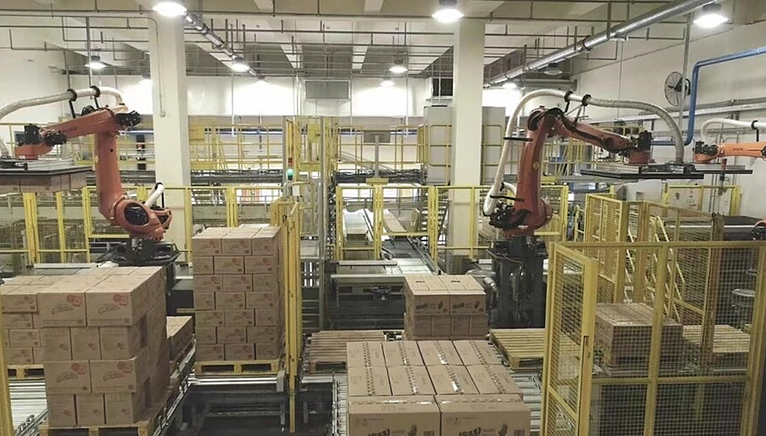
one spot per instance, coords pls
(678, 359)
(724, 199)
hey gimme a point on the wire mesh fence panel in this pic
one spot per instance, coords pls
(209, 207)
(14, 239)
(720, 199)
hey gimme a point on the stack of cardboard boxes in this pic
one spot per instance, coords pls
(180, 334)
(237, 294)
(105, 346)
(444, 307)
(21, 320)
(432, 388)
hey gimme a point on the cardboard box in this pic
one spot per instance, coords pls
(18, 321)
(624, 331)
(239, 318)
(237, 283)
(427, 303)
(209, 318)
(24, 338)
(368, 381)
(479, 325)
(467, 302)
(117, 301)
(362, 354)
(123, 342)
(393, 416)
(477, 353)
(470, 283)
(206, 335)
(57, 344)
(204, 300)
(441, 327)
(261, 264)
(69, 377)
(180, 330)
(402, 353)
(439, 353)
(266, 282)
(262, 300)
(451, 380)
(86, 344)
(460, 326)
(483, 415)
(232, 335)
(410, 380)
(494, 379)
(267, 317)
(4, 335)
(36, 321)
(210, 352)
(126, 408)
(19, 356)
(422, 282)
(120, 375)
(239, 351)
(268, 351)
(20, 299)
(263, 335)
(61, 410)
(38, 356)
(230, 300)
(62, 305)
(267, 240)
(228, 265)
(211, 283)
(90, 409)
(237, 243)
(202, 265)
(208, 242)
(420, 326)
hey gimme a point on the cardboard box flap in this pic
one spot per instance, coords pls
(410, 380)
(361, 354)
(477, 353)
(494, 379)
(370, 381)
(402, 353)
(439, 353)
(452, 380)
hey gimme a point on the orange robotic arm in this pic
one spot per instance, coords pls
(138, 219)
(529, 211)
(707, 153)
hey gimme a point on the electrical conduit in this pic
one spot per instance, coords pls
(734, 123)
(497, 185)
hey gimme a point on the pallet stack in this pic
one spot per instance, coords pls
(432, 388)
(105, 346)
(444, 307)
(238, 297)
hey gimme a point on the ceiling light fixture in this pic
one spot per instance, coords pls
(95, 63)
(170, 8)
(145, 79)
(260, 79)
(710, 16)
(238, 65)
(387, 83)
(398, 67)
(510, 85)
(552, 69)
(447, 12)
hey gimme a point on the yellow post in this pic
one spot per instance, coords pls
(377, 224)
(656, 344)
(189, 220)
(587, 338)
(339, 229)
(30, 222)
(87, 221)
(61, 229)
(755, 361)
(231, 207)
(432, 225)
(6, 418)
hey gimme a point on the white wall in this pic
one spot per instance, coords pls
(645, 66)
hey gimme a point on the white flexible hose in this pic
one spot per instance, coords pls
(490, 203)
(158, 190)
(734, 123)
(40, 101)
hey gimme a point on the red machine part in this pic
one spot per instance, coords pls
(138, 219)
(529, 211)
(707, 153)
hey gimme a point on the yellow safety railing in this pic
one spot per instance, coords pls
(641, 366)
(721, 199)
(403, 151)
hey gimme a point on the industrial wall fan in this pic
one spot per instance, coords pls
(674, 88)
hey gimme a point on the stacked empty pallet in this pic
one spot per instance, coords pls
(105, 346)
(432, 388)
(21, 320)
(238, 294)
(444, 307)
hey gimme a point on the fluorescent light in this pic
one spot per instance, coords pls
(510, 85)
(238, 65)
(710, 16)
(398, 67)
(448, 12)
(169, 8)
(387, 83)
(145, 79)
(95, 63)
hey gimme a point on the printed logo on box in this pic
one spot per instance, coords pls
(61, 308)
(79, 369)
(125, 367)
(474, 432)
(121, 300)
(74, 300)
(386, 432)
(106, 308)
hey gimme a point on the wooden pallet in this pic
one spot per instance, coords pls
(22, 372)
(523, 349)
(241, 367)
(326, 350)
(731, 346)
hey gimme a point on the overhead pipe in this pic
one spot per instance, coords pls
(755, 125)
(69, 95)
(511, 126)
(621, 30)
(195, 22)
(695, 82)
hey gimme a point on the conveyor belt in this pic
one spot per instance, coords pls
(28, 405)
